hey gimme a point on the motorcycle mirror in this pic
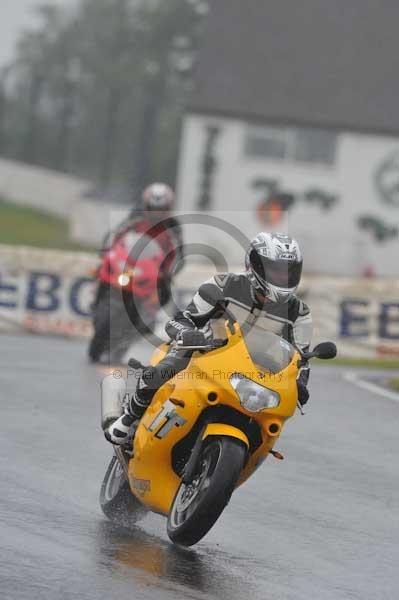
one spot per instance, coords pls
(325, 350)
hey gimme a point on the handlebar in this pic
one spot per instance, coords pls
(213, 346)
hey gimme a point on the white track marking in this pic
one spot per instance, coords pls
(354, 378)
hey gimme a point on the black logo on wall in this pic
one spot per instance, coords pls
(387, 186)
(276, 200)
(381, 231)
(209, 164)
(387, 179)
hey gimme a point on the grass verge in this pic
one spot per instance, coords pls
(23, 225)
(394, 384)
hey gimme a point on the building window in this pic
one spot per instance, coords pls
(315, 145)
(267, 142)
(294, 145)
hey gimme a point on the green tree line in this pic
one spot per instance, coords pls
(99, 91)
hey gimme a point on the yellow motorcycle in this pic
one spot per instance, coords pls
(206, 431)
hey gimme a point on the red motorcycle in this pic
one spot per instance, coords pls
(132, 281)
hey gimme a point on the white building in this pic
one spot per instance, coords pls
(297, 107)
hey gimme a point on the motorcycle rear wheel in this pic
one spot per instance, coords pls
(197, 506)
(116, 499)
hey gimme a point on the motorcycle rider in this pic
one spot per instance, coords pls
(264, 294)
(155, 220)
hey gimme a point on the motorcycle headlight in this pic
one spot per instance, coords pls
(123, 279)
(253, 397)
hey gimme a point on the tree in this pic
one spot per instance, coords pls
(100, 90)
(175, 31)
(4, 73)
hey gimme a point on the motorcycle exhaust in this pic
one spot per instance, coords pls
(113, 389)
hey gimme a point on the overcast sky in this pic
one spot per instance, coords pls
(16, 15)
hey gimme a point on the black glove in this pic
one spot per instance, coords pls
(192, 337)
(303, 393)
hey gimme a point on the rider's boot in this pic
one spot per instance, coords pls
(122, 430)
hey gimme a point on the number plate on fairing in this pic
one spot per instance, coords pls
(166, 420)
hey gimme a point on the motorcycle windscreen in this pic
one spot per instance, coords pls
(267, 350)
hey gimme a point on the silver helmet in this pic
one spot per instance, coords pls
(274, 265)
(158, 196)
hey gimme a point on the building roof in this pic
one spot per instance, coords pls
(315, 62)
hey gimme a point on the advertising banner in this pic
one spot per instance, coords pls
(51, 292)
(360, 315)
(46, 291)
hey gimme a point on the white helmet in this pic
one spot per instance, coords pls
(158, 196)
(274, 265)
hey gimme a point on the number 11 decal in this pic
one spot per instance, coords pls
(173, 419)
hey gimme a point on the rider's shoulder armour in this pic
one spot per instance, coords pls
(221, 279)
(297, 308)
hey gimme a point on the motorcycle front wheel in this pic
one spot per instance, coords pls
(99, 343)
(112, 327)
(198, 505)
(116, 499)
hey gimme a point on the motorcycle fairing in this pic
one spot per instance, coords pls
(166, 423)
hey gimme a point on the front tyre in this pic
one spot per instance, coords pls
(116, 499)
(101, 322)
(198, 505)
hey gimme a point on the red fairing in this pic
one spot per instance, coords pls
(144, 270)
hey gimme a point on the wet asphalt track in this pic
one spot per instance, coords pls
(323, 524)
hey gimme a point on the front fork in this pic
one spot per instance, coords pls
(123, 458)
